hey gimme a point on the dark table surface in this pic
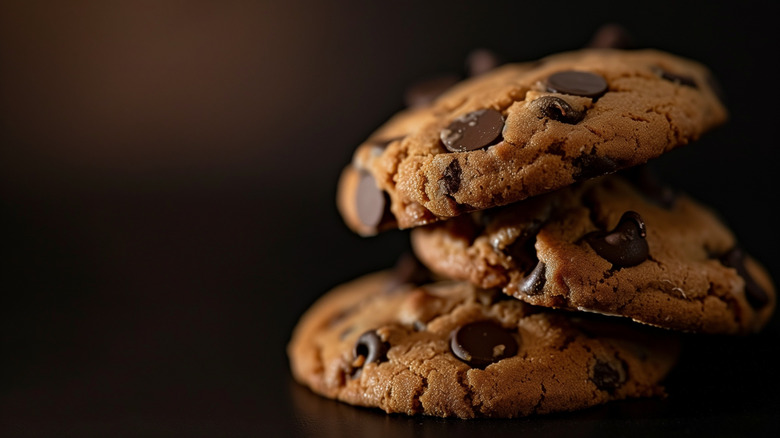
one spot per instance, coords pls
(167, 186)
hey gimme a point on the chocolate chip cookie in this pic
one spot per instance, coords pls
(619, 244)
(450, 349)
(524, 129)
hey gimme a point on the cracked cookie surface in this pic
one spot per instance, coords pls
(449, 349)
(525, 129)
(615, 245)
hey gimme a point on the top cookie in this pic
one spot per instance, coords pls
(525, 129)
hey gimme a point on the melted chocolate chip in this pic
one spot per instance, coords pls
(680, 79)
(533, 283)
(578, 83)
(623, 246)
(474, 130)
(590, 166)
(481, 343)
(424, 92)
(370, 201)
(606, 376)
(557, 109)
(370, 346)
(450, 182)
(755, 294)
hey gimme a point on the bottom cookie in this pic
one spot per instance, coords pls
(449, 349)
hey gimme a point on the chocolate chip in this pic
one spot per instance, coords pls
(481, 343)
(590, 166)
(370, 201)
(680, 79)
(474, 130)
(623, 246)
(370, 346)
(606, 376)
(755, 294)
(533, 283)
(450, 182)
(557, 109)
(481, 61)
(425, 91)
(578, 83)
(611, 36)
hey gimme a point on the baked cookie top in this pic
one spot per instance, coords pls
(607, 245)
(450, 349)
(524, 129)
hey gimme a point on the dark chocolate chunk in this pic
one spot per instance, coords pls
(590, 166)
(611, 36)
(481, 343)
(606, 376)
(425, 91)
(481, 61)
(674, 77)
(755, 294)
(370, 201)
(625, 245)
(533, 283)
(370, 346)
(578, 83)
(557, 109)
(474, 130)
(450, 182)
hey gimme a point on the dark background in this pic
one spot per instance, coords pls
(167, 186)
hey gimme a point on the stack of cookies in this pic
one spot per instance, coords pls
(551, 271)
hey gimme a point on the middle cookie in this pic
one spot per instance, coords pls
(613, 247)
(526, 129)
